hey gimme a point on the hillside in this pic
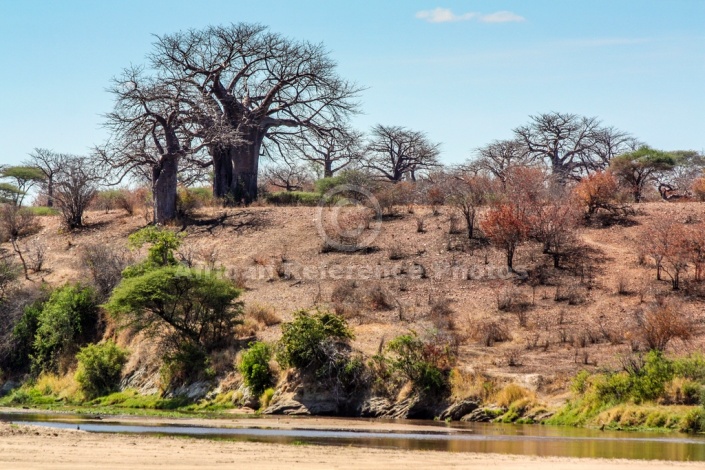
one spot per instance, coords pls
(573, 318)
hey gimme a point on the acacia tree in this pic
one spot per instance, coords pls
(24, 178)
(258, 82)
(637, 169)
(396, 152)
(569, 143)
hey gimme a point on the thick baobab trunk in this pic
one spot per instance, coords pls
(222, 172)
(245, 161)
(164, 190)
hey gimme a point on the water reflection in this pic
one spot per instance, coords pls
(460, 437)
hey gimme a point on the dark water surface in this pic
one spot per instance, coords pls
(454, 437)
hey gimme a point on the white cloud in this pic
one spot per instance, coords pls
(501, 17)
(446, 15)
(443, 15)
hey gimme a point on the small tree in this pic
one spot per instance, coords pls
(597, 191)
(636, 169)
(179, 305)
(74, 186)
(668, 243)
(507, 228)
(396, 152)
(24, 178)
(467, 194)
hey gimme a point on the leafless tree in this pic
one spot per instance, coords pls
(610, 142)
(259, 82)
(156, 132)
(288, 175)
(467, 194)
(497, 157)
(331, 151)
(396, 152)
(49, 163)
(566, 141)
(75, 184)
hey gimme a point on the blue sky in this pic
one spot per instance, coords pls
(465, 72)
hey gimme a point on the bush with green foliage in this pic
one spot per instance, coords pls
(190, 199)
(99, 368)
(293, 198)
(67, 320)
(426, 363)
(161, 252)
(307, 341)
(254, 367)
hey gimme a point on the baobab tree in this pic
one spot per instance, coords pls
(396, 152)
(258, 82)
(49, 163)
(331, 151)
(156, 125)
(572, 145)
(499, 156)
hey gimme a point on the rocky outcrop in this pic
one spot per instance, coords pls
(458, 410)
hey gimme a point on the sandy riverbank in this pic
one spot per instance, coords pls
(25, 447)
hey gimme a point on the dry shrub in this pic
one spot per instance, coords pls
(16, 222)
(573, 294)
(623, 285)
(420, 224)
(345, 291)
(379, 298)
(511, 299)
(470, 385)
(455, 225)
(396, 252)
(263, 314)
(105, 265)
(513, 357)
(238, 278)
(662, 322)
(489, 332)
(698, 188)
(35, 255)
(512, 393)
(260, 259)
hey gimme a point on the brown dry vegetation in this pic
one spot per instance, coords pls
(555, 322)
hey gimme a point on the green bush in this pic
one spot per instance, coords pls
(309, 340)
(161, 252)
(99, 367)
(41, 211)
(67, 320)
(190, 199)
(426, 364)
(24, 334)
(293, 198)
(254, 367)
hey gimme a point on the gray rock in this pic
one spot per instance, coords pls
(8, 386)
(481, 415)
(458, 410)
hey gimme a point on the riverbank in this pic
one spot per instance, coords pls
(25, 447)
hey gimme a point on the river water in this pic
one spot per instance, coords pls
(534, 440)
